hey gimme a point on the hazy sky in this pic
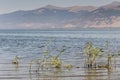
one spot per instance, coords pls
(7, 6)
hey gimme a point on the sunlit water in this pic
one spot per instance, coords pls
(29, 45)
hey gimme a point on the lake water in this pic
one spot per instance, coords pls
(29, 45)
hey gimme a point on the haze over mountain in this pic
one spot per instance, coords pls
(63, 17)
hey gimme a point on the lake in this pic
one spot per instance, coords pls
(29, 45)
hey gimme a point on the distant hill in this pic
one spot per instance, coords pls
(63, 17)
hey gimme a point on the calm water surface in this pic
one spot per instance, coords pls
(29, 45)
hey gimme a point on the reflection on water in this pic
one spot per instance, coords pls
(29, 44)
(21, 72)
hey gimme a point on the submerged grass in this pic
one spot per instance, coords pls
(93, 56)
(15, 60)
(49, 61)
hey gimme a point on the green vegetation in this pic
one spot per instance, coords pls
(15, 60)
(49, 61)
(93, 56)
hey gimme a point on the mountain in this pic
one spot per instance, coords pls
(105, 16)
(114, 5)
(63, 17)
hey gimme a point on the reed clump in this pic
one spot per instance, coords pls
(91, 54)
(15, 60)
(94, 54)
(49, 61)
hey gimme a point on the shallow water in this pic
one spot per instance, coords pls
(29, 45)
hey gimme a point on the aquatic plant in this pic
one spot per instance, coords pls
(68, 66)
(16, 60)
(91, 54)
(40, 62)
(109, 56)
(36, 61)
(48, 60)
(56, 61)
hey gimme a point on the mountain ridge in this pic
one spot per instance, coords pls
(63, 17)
